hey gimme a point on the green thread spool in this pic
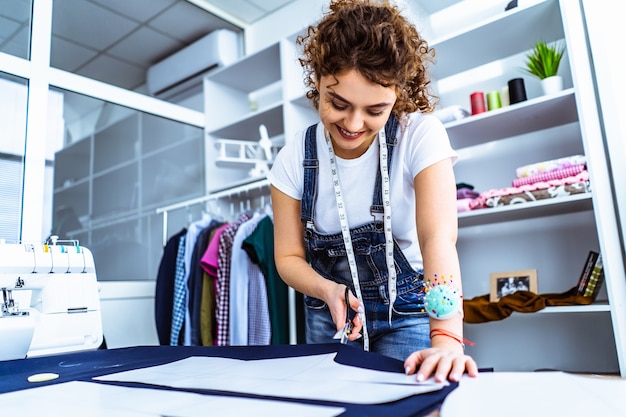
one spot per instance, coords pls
(493, 100)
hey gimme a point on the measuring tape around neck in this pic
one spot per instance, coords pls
(345, 230)
(389, 244)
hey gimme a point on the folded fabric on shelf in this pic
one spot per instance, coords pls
(530, 192)
(541, 194)
(556, 174)
(466, 193)
(463, 204)
(480, 310)
(550, 165)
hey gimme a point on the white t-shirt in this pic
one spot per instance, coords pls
(422, 141)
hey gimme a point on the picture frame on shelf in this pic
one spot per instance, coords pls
(509, 282)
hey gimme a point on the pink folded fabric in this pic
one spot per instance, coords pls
(556, 174)
(463, 204)
(551, 165)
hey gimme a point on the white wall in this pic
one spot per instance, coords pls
(128, 313)
(296, 16)
(283, 23)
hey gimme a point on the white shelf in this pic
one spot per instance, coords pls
(244, 154)
(528, 116)
(247, 127)
(252, 72)
(302, 101)
(600, 307)
(523, 211)
(542, 20)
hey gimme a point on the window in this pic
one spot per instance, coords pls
(15, 22)
(13, 98)
(117, 166)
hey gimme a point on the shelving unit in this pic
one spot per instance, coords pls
(529, 116)
(244, 153)
(552, 236)
(264, 88)
(530, 210)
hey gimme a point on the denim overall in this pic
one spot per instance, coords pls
(409, 328)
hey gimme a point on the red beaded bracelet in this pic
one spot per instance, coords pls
(442, 332)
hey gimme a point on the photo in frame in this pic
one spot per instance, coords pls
(506, 283)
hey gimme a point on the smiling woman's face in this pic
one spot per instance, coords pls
(353, 109)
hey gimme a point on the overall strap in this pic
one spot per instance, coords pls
(311, 166)
(391, 128)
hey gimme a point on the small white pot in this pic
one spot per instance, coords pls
(552, 85)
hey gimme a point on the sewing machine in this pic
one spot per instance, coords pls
(50, 301)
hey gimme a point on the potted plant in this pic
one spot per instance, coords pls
(543, 62)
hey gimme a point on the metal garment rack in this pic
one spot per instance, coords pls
(234, 189)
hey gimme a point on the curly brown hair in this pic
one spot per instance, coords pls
(373, 38)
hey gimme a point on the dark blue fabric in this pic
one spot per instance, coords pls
(164, 292)
(86, 365)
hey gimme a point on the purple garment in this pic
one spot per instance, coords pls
(466, 193)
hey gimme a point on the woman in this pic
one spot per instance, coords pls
(374, 174)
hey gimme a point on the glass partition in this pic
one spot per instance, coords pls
(13, 99)
(117, 166)
(15, 25)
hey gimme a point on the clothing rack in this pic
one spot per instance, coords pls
(242, 187)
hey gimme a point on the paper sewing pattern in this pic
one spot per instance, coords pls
(315, 377)
(78, 399)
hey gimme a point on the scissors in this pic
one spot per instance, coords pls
(344, 333)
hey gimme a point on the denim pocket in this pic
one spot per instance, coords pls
(409, 304)
(410, 299)
(314, 303)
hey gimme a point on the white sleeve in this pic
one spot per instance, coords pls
(428, 143)
(287, 173)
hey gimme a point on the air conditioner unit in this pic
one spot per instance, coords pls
(184, 69)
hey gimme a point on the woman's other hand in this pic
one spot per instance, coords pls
(446, 362)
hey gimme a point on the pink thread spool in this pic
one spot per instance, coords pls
(477, 100)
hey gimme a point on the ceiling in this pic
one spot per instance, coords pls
(115, 41)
